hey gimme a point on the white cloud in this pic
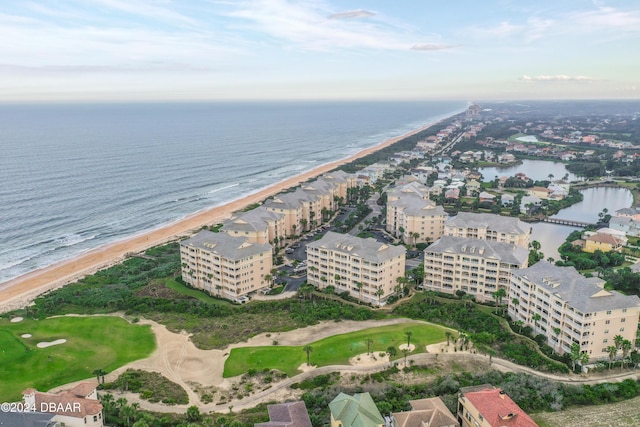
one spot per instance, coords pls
(431, 47)
(352, 14)
(555, 78)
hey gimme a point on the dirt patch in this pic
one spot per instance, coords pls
(369, 359)
(17, 319)
(621, 414)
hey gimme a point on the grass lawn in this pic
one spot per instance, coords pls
(194, 293)
(335, 350)
(92, 343)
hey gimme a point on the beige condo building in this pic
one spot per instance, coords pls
(486, 226)
(366, 268)
(477, 267)
(572, 309)
(412, 216)
(258, 225)
(225, 265)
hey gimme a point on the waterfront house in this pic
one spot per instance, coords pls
(365, 268)
(529, 204)
(487, 406)
(539, 192)
(603, 242)
(358, 410)
(473, 187)
(579, 308)
(507, 199)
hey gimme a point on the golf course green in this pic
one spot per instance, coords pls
(335, 350)
(101, 342)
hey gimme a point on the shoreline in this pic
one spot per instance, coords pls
(20, 291)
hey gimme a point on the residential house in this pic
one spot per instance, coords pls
(290, 414)
(431, 412)
(78, 407)
(603, 242)
(487, 406)
(476, 267)
(358, 410)
(539, 192)
(485, 197)
(365, 268)
(507, 199)
(571, 308)
(225, 265)
(487, 226)
(473, 187)
(528, 204)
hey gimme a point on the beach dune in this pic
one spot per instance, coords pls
(20, 291)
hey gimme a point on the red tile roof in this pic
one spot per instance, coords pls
(498, 408)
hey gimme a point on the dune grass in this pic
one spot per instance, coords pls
(92, 343)
(335, 350)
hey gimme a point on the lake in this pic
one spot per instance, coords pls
(537, 170)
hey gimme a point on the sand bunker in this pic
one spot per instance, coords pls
(17, 319)
(410, 347)
(369, 359)
(26, 335)
(45, 344)
(306, 368)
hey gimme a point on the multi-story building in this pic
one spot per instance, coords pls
(225, 265)
(366, 268)
(567, 307)
(258, 225)
(477, 267)
(487, 406)
(412, 216)
(489, 227)
(302, 210)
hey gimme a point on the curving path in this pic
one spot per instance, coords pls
(177, 358)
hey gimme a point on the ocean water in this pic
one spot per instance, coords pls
(74, 177)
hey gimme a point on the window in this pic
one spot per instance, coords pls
(624, 319)
(604, 341)
(621, 329)
(606, 322)
(609, 312)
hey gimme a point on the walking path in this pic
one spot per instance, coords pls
(177, 358)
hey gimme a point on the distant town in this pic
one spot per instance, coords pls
(420, 231)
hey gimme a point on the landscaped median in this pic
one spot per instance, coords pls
(77, 346)
(335, 350)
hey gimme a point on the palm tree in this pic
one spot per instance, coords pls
(449, 335)
(359, 285)
(369, 342)
(405, 351)
(519, 324)
(612, 350)
(127, 412)
(431, 296)
(379, 294)
(308, 349)
(626, 349)
(392, 351)
(618, 340)
(408, 334)
(536, 318)
(556, 332)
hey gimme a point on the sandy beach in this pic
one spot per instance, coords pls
(20, 291)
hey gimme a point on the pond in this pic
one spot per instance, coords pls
(538, 170)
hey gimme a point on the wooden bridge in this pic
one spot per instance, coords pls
(571, 222)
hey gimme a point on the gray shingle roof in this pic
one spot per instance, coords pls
(504, 252)
(290, 414)
(225, 245)
(368, 249)
(254, 220)
(414, 205)
(501, 224)
(582, 293)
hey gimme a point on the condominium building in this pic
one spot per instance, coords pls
(410, 189)
(301, 210)
(567, 307)
(477, 267)
(366, 268)
(225, 265)
(258, 225)
(487, 406)
(489, 227)
(415, 220)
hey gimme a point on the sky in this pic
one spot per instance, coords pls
(110, 50)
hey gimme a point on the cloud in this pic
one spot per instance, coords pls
(556, 78)
(311, 26)
(609, 18)
(352, 14)
(431, 47)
